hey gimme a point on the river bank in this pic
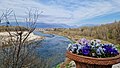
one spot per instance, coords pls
(32, 36)
(5, 36)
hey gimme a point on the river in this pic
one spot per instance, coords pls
(53, 47)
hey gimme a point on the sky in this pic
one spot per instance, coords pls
(71, 12)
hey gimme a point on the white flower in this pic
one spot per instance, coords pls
(79, 48)
(97, 45)
(95, 42)
(100, 51)
(69, 48)
(92, 42)
(74, 48)
(93, 54)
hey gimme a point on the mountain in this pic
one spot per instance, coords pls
(43, 25)
(54, 25)
(88, 25)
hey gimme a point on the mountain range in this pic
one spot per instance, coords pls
(43, 25)
(49, 25)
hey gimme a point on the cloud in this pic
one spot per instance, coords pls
(63, 11)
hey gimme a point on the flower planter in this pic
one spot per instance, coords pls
(90, 62)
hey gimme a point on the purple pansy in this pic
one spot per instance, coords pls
(93, 49)
(86, 50)
(108, 48)
(114, 51)
(83, 41)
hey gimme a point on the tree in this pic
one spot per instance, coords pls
(20, 53)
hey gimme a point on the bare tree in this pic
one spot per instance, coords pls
(20, 53)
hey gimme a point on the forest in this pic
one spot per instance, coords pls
(12, 28)
(108, 32)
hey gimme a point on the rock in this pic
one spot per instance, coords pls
(116, 65)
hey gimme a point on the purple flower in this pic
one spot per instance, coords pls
(86, 50)
(98, 41)
(114, 51)
(83, 41)
(107, 48)
(110, 49)
(93, 48)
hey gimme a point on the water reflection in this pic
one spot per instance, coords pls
(53, 47)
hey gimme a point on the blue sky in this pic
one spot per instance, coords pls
(69, 12)
(103, 19)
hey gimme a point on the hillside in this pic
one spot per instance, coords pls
(12, 28)
(107, 32)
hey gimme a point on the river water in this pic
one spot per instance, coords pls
(52, 47)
